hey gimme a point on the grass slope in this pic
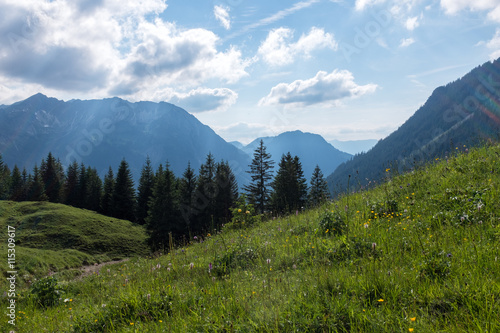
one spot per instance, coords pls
(420, 253)
(53, 237)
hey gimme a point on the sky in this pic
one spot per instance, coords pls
(347, 70)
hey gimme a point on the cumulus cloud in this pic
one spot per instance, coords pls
(277, 50)
(324, 88)
(406, 42)
(362, 4)
(412, 23)
(494, 45)
(205, 99)
(99, 47)
(221, 13)
(455, 6)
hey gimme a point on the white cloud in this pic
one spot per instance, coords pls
(455, 6)
(205, 99)
(276, 50)
(406, 42)
(412, 23)
(85, 49)
(362, 4)
(324, 88)
(494, 45)
(222, 15)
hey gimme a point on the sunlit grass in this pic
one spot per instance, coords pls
(420, 253)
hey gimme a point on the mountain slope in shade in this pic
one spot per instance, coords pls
(464, 112)
(100, 133)
(312, 150)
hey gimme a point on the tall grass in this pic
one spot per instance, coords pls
(420, 253)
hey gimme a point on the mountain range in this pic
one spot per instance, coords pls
(100, 133)
(312, 149)
(463, 113)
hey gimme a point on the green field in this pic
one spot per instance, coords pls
(54, 238)
(419, 253)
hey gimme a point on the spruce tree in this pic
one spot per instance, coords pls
(94, 190)
(71, 185)
(163, 213)
(4, 179)
(123, 200)
(187, 188)
(16, 185)
(26, 185)
(289, 186)
(227, 194)
(82, 188)
(318, 192)
(107, 196)
(52, 178)
(259, 189)
(36, 190)
(206, 192)
(145, 190)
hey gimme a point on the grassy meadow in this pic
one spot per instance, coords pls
(418, 253)
(54, 238)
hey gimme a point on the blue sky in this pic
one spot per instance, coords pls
(347, 70)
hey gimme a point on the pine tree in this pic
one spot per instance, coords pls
(71, 185)
(16, 185)
(290, 186)
(52, 178)
(145, 190)
(187, 188)
(163, 213)
(107, 196)
(318, 192)
(259, 189)
(36, 190)
(123, 200)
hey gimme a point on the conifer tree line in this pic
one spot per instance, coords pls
(169, 207)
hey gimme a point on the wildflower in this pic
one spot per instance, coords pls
(191, 265)
(374, 246)
(387, 170)
(413, 319)
(195, 237)
(294, 266)
(160, 321)
(126, 281)
(103, 305)
(268, 261)
(410, 329)
(380, 300)
(365, 225)
(296, 213)
(209, 267)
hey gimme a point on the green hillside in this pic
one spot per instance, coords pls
(419, 253)
(53, 237)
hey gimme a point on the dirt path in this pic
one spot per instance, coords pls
(91, 269)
